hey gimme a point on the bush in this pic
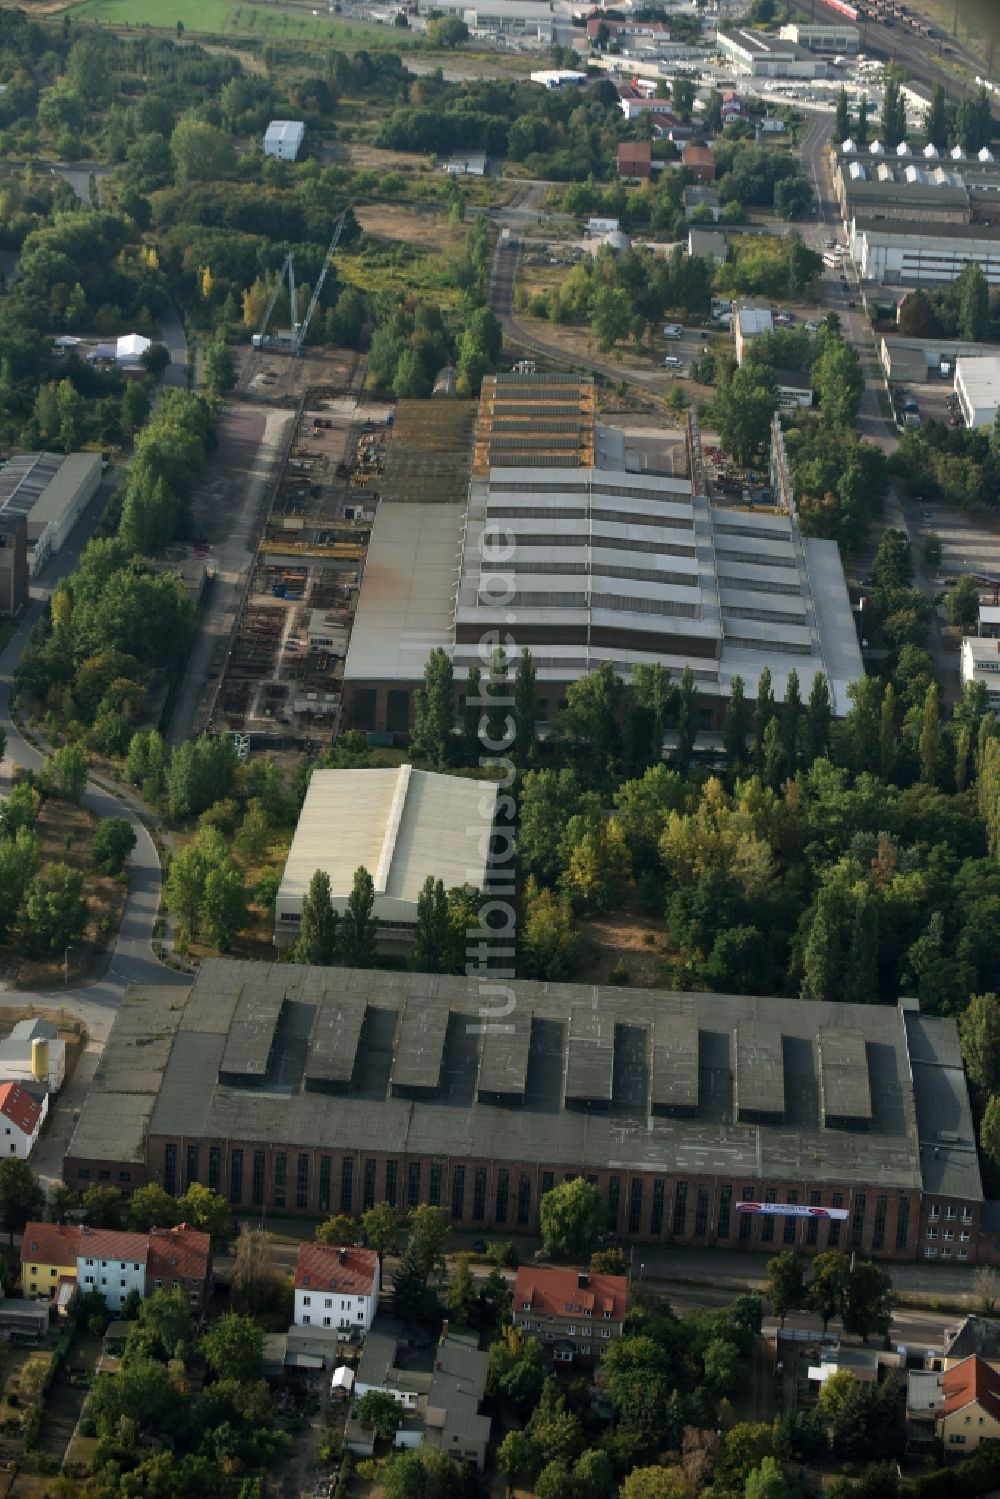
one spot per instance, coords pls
(502, 1253)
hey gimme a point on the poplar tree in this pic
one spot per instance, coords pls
(763, 714)
(525, 711)
(471, 716)
(791, 721)
(817, 720)
(432, 731)
(317, 940)
(735, 725)
(841, 119)
(887, 734)
(687, 718)
(358, 929)
(498, 710)
(930, 735)
(433, 933)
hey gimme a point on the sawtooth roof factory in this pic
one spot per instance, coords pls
(703, 1119)
(918, 218)
(599, 564)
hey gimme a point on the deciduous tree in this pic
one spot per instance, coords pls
(572, 1216)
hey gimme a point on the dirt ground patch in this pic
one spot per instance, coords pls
(416, 225)
(361, 156)
(65, 835)
(280, 378)
(628, 940)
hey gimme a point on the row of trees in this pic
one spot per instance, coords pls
(833, 1285)
(169, 456)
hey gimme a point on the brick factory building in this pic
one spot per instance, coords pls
(702, 1118)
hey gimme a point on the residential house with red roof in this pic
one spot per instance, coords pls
(575, 1314)
(168, 1259)
(336, 1288)
(959, 1407)
(21, 1116)
(970, 1411)
(635, 162)
(48, 1257)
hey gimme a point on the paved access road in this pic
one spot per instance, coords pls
(131, 959)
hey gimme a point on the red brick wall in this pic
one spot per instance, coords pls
(873, 1231)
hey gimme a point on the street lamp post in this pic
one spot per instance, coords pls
(66, 954)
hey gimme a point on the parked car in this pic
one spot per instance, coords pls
(672, 362)
(673, 330)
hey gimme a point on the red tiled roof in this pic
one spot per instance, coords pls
(971, 1381)
(319, 1268)
(113, 1244)
(179, 1253)
(50, 1244)
(635, 153)
(699, 156)
(20, 1107)
(558, 1293)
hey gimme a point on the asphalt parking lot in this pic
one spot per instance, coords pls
(969, 543)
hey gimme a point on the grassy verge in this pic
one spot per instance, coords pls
(234, 19)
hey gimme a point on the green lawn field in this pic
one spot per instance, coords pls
(242, 19)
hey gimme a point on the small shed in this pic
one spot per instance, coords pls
(283, 139)
(342, 1382)
(131, 347)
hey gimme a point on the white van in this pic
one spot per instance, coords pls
(673, 330)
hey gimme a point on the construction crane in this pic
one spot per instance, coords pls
(295, 337)
(287, 273)
(303, 327)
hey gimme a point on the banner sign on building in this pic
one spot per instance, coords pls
(790, 1210)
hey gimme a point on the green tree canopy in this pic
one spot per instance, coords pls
(572, 1216)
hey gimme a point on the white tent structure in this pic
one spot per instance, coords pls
(130, 347)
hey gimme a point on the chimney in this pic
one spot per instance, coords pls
(342, 1256)
(582, 1280)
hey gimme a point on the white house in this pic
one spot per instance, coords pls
(283, 139)
(171, 1259)
(22, 1114)
(336, 1288)
(112, 1263)
(981, 663)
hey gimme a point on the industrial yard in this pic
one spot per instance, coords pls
(282, 668)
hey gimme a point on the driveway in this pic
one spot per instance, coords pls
(174, 340)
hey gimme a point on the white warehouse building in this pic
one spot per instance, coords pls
(824, 37)
(897, 252)
(977, 385)
(402, 825)
(283, 139)
(981, 663)
(52, 491)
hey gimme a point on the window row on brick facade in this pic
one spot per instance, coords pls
(638, 1205)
